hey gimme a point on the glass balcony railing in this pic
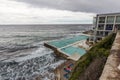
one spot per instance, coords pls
(101, 27)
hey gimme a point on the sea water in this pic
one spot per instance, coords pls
(22, 54)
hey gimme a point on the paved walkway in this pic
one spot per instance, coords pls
(112, 67)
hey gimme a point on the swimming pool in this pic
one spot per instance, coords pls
(72, 50)
(65, 42)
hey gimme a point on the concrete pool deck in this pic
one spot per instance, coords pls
(70, 48)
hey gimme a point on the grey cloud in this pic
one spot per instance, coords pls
(93, 6)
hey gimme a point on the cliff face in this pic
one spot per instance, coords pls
(94, 70)
(90, 66)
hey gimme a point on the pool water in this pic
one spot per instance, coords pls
(65, 42)
(72, 50)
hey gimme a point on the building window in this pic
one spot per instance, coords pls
(109, 27)
(110, 19)
(101, 19)
(118, 19)
(101, 27)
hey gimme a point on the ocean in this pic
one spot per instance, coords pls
(23, 55)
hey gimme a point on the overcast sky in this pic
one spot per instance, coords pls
(54, 11)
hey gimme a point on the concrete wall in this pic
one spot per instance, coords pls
(56, 51)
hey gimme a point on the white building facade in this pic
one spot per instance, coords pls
(106, 24)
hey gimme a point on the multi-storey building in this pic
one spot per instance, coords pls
(106, 24)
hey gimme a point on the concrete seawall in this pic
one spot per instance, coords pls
(56, 51)
(112, 67)
(49, 46)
